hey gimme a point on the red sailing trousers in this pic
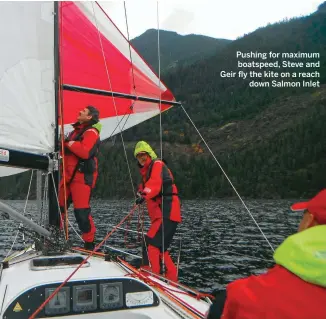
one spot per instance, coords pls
(79, 194)
(154, 245)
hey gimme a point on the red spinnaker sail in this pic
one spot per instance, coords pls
(87, 36)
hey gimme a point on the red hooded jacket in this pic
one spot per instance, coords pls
(153, 178)
(293, 289)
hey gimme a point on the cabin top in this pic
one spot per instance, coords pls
(97, 287)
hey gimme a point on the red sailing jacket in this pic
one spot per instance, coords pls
(154, 173)
(83, 149)
(294, 289)
(278, 294)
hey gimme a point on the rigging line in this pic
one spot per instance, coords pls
(130, 108)
(45, 198)
(73, 228)
(249, 256)
(161, 139)
(140, 224)
(135, 231)
(65, 225)
(13, 243)
(3, 300)
(132, 65)
(166, 291)
(124, 229)
(141, 210)
(122, 251)
(159, 76)
(68, 219)
(126, 234)
(113, 99)
(178, 260)
(117, 228)
(56, 196)
(121, 119)
(28, 192)
(220, 166)
(42, 219)
(26, 201)
(60, 101)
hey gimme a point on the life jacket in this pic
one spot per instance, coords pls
(169, 193)
(294, 288)
(86, 166)
(168, 181)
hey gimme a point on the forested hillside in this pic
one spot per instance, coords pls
(270, 141)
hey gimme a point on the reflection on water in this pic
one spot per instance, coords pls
(219, 240)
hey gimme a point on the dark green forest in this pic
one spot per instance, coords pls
(270, 141)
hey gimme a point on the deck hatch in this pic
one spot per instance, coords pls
(42, 263)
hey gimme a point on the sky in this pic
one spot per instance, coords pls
(228, 19)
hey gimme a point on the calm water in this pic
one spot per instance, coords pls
(219, 240)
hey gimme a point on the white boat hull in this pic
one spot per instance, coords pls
(99, 289)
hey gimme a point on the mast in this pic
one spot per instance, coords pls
(53, 183)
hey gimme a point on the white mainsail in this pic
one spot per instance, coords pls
(27, 100)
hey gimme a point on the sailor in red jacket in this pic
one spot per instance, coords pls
(81, 170)
(157, 178)
(293, 289)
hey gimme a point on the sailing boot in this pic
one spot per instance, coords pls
(144, 266)
(144, 260)
(154, 258)
(89, 245)
(171, 270)
(85, 223)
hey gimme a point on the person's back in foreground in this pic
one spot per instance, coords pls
(295, 288)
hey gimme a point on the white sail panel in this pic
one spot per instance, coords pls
(27, 105)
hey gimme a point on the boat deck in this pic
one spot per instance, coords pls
(99, 289)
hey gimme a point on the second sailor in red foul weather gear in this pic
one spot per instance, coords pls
(161, 195)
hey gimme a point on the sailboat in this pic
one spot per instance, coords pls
(57, 58)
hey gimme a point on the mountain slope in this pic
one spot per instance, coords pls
(214, 100)
(175, 49)
(270, 141)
